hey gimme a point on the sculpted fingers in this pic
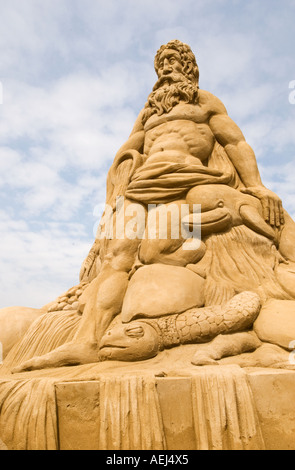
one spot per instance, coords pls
(272, 207)
(282, 215)
(278, 218)
(266, 208)
(278, 214)
(263, 195)
(272, 211)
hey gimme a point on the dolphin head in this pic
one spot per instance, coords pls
(218, 207)
(214, 196)
(223, 207)
(133, 341)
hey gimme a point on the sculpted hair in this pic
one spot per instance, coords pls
(186, 54)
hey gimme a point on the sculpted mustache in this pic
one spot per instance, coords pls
(172, 78)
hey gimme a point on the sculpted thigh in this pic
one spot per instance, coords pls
(166, 237)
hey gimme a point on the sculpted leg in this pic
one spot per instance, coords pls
(224, 346)
(266, 355)
(106, 300)
(164, 242)
(68, 354)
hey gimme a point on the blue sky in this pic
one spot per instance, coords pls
(75, 74)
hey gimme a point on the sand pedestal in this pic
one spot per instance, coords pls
(216, 408)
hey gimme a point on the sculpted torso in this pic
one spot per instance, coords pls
(183, 135)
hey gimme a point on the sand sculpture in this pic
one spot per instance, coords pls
(214, 280)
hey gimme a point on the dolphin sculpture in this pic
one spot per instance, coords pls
(223, 207)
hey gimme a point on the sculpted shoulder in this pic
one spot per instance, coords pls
(211, 103)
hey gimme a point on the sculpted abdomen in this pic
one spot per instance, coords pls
(186, 137)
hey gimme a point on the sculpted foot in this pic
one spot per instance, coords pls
(69, 354)
(204, 359)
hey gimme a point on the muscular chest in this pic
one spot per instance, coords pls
(186, 112)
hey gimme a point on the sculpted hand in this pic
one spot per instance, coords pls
(273, 211)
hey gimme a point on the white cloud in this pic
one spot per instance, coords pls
(60, 134)
(36, 266)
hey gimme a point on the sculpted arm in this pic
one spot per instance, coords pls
(228, 134)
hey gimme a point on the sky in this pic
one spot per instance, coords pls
(74, 75)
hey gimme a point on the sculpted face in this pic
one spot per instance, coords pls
(169, 63)
(182, 53)
(170, 70)
(129, 342)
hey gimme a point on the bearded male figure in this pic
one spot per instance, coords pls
(182, 138)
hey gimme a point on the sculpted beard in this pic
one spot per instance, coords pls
(167, 93)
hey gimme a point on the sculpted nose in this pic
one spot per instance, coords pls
(167, 67)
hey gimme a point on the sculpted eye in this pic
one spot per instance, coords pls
(221, 204)
(134, 331)
(172, 60)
